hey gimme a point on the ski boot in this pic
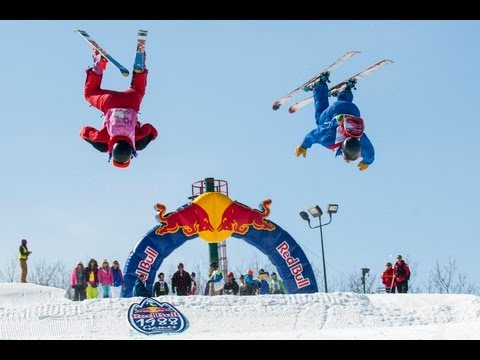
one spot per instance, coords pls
(323, 78)
(349, 85)
(139, 65)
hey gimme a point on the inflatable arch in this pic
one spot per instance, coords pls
(214, 217)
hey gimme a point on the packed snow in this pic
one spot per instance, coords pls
(29, 311)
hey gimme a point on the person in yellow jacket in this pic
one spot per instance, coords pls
(23, 257)
(91, 275)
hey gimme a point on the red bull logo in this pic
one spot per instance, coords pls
(191, 219)
(214, 217)
(153, 317)
(238, 218)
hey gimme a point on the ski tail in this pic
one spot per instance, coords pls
(139, 63)
(341, 86)
(277, 104)
(102, 51)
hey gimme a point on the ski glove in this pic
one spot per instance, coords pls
(362, 166)
(300, 151)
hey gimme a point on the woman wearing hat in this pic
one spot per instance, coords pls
(231, 286)
(388, 278)
(23, 257)
(250, 283)
(78, 282)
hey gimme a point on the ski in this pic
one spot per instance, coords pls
(340, 60)
(93, 43)
(338, 88)
(139, 63)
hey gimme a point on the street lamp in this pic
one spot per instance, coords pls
(316, 212)
(364, 271)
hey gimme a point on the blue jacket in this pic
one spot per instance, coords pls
(326, 130)
(117, 276)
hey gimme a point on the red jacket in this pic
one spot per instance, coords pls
(387, 277)
(99, 137)
(402, 271)
(104, 99)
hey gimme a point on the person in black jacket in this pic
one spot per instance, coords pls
(91, 276)
(181, 281)
(139, 288)
(160, 287)
(231, 286)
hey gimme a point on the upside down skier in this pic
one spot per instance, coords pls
(339, 127)
(122, 135)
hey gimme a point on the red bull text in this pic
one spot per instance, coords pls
(293, 264)
(145, 266)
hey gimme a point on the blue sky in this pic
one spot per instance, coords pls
(210, 90)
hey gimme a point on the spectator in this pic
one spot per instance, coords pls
(388, 279)
(251, 284)
(276, 285)
(105, 278)
(263, 282)
(91, 275)
(23, 257)
(139, 288)
(118, 281)
(78, 281)
(181, 281)
(160, 287)
(242, 285)
(216, 280)
(402, 275)
(193, 286)
(231, 286)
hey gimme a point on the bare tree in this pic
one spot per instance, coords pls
(9, 272)
(353, 283)
(55, 275)
(447, 280)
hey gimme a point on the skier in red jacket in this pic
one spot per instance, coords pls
(122, 135)
(388, 279)
(402, 275)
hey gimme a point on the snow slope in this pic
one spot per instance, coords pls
(29, 311)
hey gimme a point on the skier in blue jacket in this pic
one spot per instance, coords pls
(339, 127)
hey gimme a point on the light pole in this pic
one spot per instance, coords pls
(317, 212)
(364, 271)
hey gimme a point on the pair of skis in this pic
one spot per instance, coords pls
(335, 89)
(139, 63)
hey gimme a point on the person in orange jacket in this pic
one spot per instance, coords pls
(122, 135)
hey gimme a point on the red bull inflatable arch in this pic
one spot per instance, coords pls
(214, 217)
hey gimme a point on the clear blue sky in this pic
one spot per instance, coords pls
(210, 91)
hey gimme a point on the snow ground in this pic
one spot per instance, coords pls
(29, 311)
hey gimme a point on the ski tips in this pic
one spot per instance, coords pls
(276, 105)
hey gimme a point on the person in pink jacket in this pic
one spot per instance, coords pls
(105, 279)
(78, 282)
